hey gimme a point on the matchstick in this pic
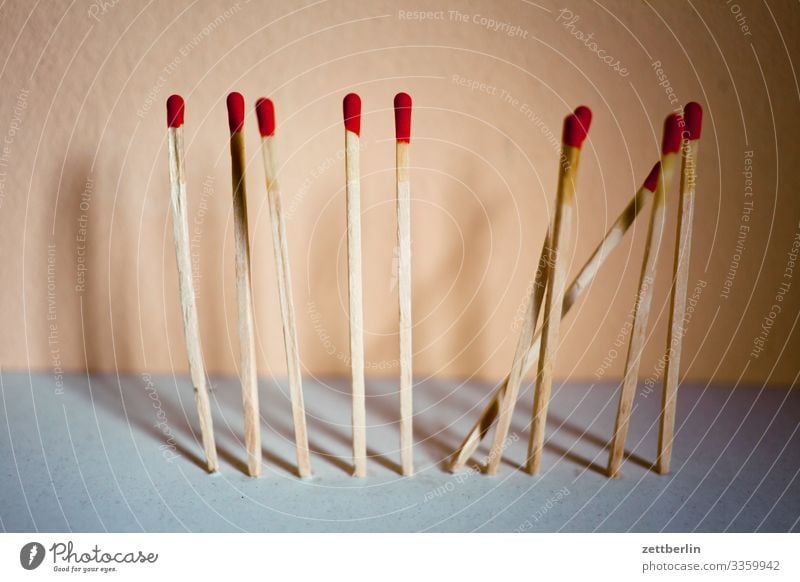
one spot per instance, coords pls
(402, 122)
(575, 130)
(517, 373)
(191, 327)
(586, 275)
(265, 112)
(352, 132)
(693, 117)
(658, 182)
(247, 340)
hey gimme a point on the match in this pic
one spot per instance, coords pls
(693, 117)
(658, 182)
(526, 338)
(191, 326)
(576, 126)
(517, 373)
(402, 121)
(265, 113)
(352, 133)
(247, 340)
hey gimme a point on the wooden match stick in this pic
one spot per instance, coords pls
(402, 122)
(509, 400)
(352, 132)
(693, 117)
(265, 112)
(247, 340)
(191, 327)
(586, 275)
(575, 128)
(658, 182)
(517, 373)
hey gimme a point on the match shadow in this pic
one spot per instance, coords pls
(346, 440)
(575, 458)
(572, 429)
(102, 393)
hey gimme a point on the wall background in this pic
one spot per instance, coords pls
(83, 156)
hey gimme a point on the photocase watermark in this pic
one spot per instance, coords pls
(692, 301)
(100, 8)
(169, 450)
(568, 20)
(53, 341)
(487, 22)
(744, 226)
(67, 559)
(507, 98)
(196, 232)
(31, 555)
(184, 51)
(784, 286)
(82, 236)
(543, 510)
(14, 126)
(459, 478)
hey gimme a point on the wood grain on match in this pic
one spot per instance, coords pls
(516, 375)
(352, 121)
(191, 326)
(402, 109)
(247, 341)
(557, 258)
(693, 117)
(658, 181)
(265, 112)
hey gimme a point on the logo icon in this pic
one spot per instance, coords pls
(31, 555)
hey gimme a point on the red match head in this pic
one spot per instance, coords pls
(402, 117)
(673, 134)
(584, 114)
(265, 112)
(235, 111)
(175, 111)
(352, 113)
(693, 114)
(574, 131)
(651, 182)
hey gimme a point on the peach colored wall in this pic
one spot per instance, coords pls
(83, 157)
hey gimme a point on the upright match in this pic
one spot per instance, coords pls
(265, 112)
(402, 123)
(507, 403)
(575, 127)
(693, 117)
(352, 133)
(191, 327)
(658, 182)
(247, 340)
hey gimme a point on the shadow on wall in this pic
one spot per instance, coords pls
(104, 327)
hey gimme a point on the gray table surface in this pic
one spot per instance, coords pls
(121, 453)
